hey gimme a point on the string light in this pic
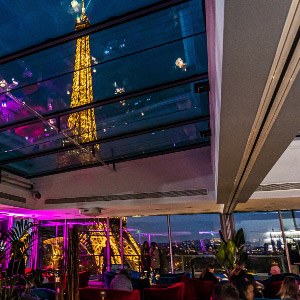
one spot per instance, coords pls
(119, 90)
(180, 64)
(3, 83)
(74, 3)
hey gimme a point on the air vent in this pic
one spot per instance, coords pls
(12, 197)
(128, 196)
(279, 187)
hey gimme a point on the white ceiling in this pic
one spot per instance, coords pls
(283, 181)
(189, 170)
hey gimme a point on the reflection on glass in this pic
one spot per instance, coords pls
(158, 108)
(146, 144)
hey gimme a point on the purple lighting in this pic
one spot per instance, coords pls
(11, 214)
(208, 232)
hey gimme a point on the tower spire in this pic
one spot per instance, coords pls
(82, 21)
(82, 8)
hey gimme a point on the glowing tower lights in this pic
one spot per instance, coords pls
(83, 123)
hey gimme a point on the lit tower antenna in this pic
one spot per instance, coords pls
(83, 123)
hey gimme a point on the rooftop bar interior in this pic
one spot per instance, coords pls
(149, 149)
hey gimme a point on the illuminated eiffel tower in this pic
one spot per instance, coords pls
(97, 236)
(82, 124)
(93, 243)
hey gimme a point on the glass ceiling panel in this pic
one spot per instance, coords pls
(156, 109)
(143, 53)
(147, 144)
(168, 25)
(128, 57)
(25, 23)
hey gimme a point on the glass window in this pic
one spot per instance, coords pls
(290, 221)
(92, 244)
(194, 239)
(147, 53)
(26, 23)
(296, 219)
(263, 240)
(152, 229)
(131, 249)
(51, 244)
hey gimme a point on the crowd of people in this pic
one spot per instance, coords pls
(243, 286)
(240, 285)
(246, 290)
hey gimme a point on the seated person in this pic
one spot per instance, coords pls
(238, 273)
(289, 288)
(121, 281)
(249, 284)
(246, 290)
(276, 275)
(225, 291)
(275, 270)
(208, 274)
